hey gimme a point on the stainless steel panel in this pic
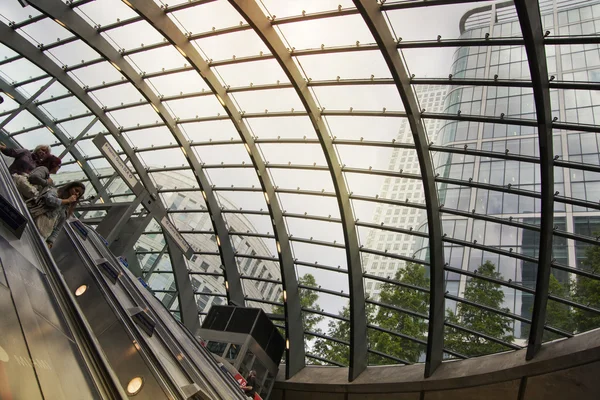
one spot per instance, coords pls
(49, 352)
(128, 363)
(17, 376)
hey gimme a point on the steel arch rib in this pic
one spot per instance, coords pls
(252, 13)
(293, 321)
(22, 46)
(375, 20)
(59, 134)
(77, 25)
(533, 36)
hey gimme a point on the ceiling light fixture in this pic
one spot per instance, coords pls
(129, 4)
(155, 108)
(9, 95)
(220, 100)
(135, 385)
(50, 129)
(61, 23)
(81, 290)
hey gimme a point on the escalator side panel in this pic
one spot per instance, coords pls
(17, 377)
(52, 353)
(127, 362)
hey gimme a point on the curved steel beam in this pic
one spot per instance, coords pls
(59, 134)
(22, 46)
(253, 14)
(533, 36)
(292, 308)
(375, 20)
(77, 25)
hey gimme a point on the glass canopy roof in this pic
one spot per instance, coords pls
(392, 181)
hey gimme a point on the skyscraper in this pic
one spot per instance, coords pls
(579, 62)
(431, 98)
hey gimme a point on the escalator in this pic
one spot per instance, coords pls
(79, 325)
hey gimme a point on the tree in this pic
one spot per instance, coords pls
(558, 315)
(308, 299)
(587, 292)
(388, 319)
(401, 322)
(490, 294)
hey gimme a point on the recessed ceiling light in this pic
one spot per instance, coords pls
(81, 290)
(135, 385)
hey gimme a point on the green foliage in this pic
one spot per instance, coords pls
(486, 293)
(308, 299)
(558, 315)
(587, 292)
(391, 320)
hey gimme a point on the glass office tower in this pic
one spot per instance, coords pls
(575, 62)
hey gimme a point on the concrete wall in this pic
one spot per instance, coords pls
(564, 369)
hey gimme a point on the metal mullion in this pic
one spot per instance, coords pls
(562, 40)
(395, 282)
(126, 106)
(326, 291)
(207, 253)
(203, 119)
(325, 360)
(273, 303)
(185, 5)
(576, 202)
(31, 80)
(156, 74)
(381, 200)
(161, 147)
(421, 44)
(398, 309)
(259, 279)
(489, 218)
(257, 257)
(320, 266)
(169, 169)
(494, 250)
(395, 229)
(577, 166)
(317, 242)
(220, 31)
(503, 83)
(394, 256)
(163, 291)
(489, 186)
(142, 127)
(485, 153)
(216, 274)
(334, 50)
(576, 271)
(253, 234)
(249, 212)
(210, 294)
(401, 5)
(384, 355)
(478, 118)
(576, 127)
(313, 217)
(193, 232)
